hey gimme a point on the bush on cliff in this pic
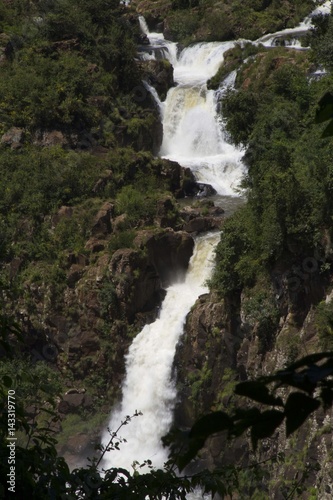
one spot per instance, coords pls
(288, 180)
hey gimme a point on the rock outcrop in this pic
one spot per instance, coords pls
(159, 74)
(223, 344)
(170, 253)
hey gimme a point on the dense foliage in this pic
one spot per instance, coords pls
(42, 474)
(70, 68)
(289, 178)
(75, 123)
(197, 20)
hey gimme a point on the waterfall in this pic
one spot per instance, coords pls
(193, 133)
(148, 385)
(193, 136)
(292, 34)
(159, 48)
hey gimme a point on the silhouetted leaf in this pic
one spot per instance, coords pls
(203, 428)
(266, 425)
(317, 373)
(298, 407)
(325, 111)
(326, 395)
(309, 360)
(210, 424)
(8, 382)
(299, 380)
(328, 132)
(243, 419)
(258, 392)
(194, 447)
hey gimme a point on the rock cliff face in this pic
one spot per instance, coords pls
(224, 344)
(84, 328)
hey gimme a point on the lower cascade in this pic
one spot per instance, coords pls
(148, 386)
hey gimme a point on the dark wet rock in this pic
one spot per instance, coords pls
(193, 188)
(170, 253)
(159, 74)
(203, 224)
(136, 282)
(102, 224)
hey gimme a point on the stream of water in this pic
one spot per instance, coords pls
(194, 136)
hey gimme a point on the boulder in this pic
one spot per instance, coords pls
(159, 74)
(14, 137)
(170, 253)
(204, 216)
(64, 212)
(95, 245)
(50, 138)
(193, 188)
(102, 222)
(137, 285)
(203, 224)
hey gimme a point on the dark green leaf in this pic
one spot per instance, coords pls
(325, 111)
(298, 407)
(258, 392)
(328, 132)
(202, 429)
(210, 424)
(326, 395)
(309, 360)
(243, 419)
(194, 447)
(8, 382)
(266, 425)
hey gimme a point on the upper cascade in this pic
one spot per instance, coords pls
(198, 63)
(290, 36)
(193, 133)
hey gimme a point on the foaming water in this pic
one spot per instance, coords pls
(272, 39)
(198, 63)
(193, 132)
(148, 385)
(158, 44)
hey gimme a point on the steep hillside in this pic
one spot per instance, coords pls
(271, 300)
(92, 227)
(189, 21)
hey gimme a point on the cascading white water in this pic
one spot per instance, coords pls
(158, 44)
(193, 133)
(271, 39)
(193, 136)
(148, 385)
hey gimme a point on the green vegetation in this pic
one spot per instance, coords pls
(232, 59)
(42, 474)
(76, 133)
(70, 69)
(206, 20)
(324, 324)
(288, 183)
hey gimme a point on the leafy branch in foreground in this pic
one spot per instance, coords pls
(325, 113)
(311, 376)
(43, 474)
